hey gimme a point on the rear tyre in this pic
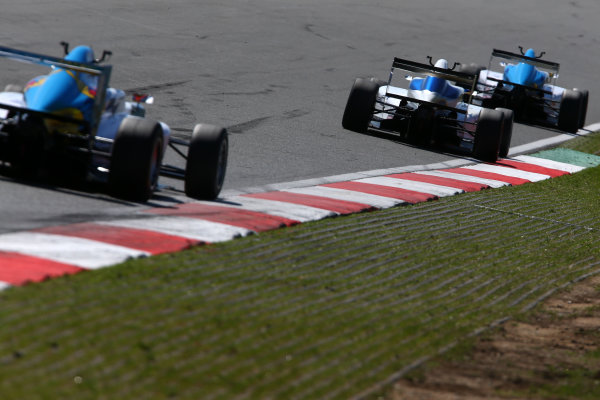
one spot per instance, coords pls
(206, 162)
(488, 135)
(507, 126)
(569, 116)
(136, 159)
(360, 105)
(584, 105)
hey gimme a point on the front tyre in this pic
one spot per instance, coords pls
(206, 162)
(488, 135)
(507, 126)
(360, 105)
(136, 159)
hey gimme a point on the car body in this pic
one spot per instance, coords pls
(435, 109)
(526, 84)
(69, 122)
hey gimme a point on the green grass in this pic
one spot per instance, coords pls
(323, 310)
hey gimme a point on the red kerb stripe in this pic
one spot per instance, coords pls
(18, 269)
(531, 168)
(139, 239)
(409, 196)
(325, 203)
(438, 180)
(488, 175)
(253, 220)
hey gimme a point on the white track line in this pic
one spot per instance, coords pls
(453, 163)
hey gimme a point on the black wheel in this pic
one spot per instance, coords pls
(206, 162)
(569, 116)
(488, 135)
(360, 105)
(584, 105)
(136, 159)
(507, 125)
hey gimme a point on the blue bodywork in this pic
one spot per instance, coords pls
(436, 85)
(63, 91)
(525, 74)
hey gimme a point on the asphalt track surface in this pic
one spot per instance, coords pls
(277, 75)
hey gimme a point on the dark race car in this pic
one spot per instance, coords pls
(526, 84)
(68, 121)
(435, 109)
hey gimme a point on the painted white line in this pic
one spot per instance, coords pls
(421, 187)
(83, 253)
(297, 212)
(452, 163)
(529, 147)
(348, 195)
(515, 173)
(543, 162)
(191, 228)
(467, 178)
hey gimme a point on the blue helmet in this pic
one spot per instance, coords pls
(81, 54)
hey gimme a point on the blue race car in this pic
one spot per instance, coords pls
(69, 122)
(526, 84)
(434, 110)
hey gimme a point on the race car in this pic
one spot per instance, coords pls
(69, 122)
(434, 110)
(526, 84)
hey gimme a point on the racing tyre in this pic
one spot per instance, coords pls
(507, 126)
(206, 162)
(584, 105)
(136, 159)
(488, 135)
(360, 105)
(569, 116)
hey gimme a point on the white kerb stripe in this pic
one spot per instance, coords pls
(413, 185)
(515, 173)
(83, 253)
(467, 178)
(4, 285)
(297, 212)
(348, 195)
(544, 162)
(190, 228)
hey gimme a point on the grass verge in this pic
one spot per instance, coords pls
(321, 310)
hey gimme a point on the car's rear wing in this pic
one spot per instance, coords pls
(100, 71)
(461, 78)
(549, 66)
